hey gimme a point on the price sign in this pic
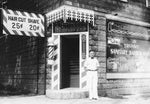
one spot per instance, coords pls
(22, 23)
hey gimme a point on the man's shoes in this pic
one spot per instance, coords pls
(94, 98)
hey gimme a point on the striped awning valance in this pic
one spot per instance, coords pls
(65, 12)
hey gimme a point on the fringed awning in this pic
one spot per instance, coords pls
(69, 12)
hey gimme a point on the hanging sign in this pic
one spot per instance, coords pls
(22, 23)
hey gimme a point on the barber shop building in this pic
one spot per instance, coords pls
(43, 47)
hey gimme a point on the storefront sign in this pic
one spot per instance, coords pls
(22, 23)
(127, 52)
(128, 30)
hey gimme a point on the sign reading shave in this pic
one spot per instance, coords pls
(22, 23)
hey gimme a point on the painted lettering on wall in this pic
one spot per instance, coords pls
(128, 30)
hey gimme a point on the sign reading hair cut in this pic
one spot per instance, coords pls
(22, 23)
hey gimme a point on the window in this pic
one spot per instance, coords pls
(127, 48)
(147, 3)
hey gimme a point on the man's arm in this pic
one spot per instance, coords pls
(85, 65)
(98, 65)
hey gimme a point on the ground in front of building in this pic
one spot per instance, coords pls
(134, 99)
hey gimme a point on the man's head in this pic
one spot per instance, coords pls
(92, 53)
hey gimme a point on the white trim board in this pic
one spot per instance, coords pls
(127, 75)
(127, 20)
(71, 33)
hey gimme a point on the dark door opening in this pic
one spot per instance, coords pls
(69, 61)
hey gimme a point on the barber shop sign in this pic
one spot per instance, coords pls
(22, 23)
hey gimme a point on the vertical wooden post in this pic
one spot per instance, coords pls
(45, 52)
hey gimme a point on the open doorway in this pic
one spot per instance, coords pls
(69, 59)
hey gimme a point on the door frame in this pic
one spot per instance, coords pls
(80, 56)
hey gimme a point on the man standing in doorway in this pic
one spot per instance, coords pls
(91, 66)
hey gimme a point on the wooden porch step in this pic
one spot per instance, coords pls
(67, 93)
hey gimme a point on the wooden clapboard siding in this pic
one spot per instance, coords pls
(31, 50)
(134, 9)
(37, 6)
(25, 5)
